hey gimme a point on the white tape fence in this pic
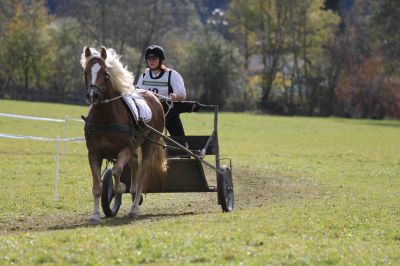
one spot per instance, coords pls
(11, 136)
(57, 140)
(40, 118)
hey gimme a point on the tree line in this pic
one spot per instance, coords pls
(291, 57)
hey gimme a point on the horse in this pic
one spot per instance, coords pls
(109, 127)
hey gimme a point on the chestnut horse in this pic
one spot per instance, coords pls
(107, 129)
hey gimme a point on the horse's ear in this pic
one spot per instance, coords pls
(103, 53)
(87, 51)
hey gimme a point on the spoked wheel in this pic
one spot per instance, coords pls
(225, 189)
(110, 202)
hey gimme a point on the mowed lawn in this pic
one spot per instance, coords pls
(307, 191)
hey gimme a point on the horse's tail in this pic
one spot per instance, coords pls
(159, 163)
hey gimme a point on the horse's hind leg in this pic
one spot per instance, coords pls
(134, 165)
(95, 166)
(152, 170)
(123, 157)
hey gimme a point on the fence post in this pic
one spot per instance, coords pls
(65, 134)
(57, 171)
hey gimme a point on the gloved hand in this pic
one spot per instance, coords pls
(173, 97)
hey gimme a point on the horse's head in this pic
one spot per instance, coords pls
(96, 76)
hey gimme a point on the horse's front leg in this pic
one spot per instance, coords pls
(95, 166)
(136, 183)
(123, 157)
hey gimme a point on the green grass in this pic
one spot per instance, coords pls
(307, 191)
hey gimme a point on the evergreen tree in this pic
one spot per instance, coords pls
(385, 25)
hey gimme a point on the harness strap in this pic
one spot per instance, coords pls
(93, 128)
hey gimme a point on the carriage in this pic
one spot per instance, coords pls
(136, 147)
(186, 170)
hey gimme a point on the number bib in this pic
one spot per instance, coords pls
(159, 85)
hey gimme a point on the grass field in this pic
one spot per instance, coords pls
(307, 191)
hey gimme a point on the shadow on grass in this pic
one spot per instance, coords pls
(119, 221)
(253, 189)
(369, 122)
(36, 224)
(395, 124)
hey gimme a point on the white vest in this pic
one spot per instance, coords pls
(160, 84)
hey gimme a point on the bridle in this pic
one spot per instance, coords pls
(92, 89)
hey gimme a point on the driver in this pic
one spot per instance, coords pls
(168, 83)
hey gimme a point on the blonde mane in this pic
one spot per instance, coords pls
(121, 79)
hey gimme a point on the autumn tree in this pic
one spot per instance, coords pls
(367, 92)
(369, 85)
(6, 13)
(310, 28)
(28, 50)
(239, 17)
(68, 80)
(289, 37)
(131, 26)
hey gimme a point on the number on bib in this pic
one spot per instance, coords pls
(155, 90)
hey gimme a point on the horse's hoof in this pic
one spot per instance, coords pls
(120, 189)
(133, 215)
(93, 221)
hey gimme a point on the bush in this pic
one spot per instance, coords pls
(367, 92)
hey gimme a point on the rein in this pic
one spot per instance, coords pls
(105, 100)
(112, 99)
(168, 101)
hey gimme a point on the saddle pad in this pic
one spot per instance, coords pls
(138, 107)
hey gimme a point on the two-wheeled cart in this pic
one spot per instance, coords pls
(186, 173)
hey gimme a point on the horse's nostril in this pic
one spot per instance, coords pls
(92, 96)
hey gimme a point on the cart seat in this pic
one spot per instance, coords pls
(193, 143)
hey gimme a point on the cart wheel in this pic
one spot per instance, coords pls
(110, 202)
(225, 189)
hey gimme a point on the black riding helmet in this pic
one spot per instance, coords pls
(155, 50)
